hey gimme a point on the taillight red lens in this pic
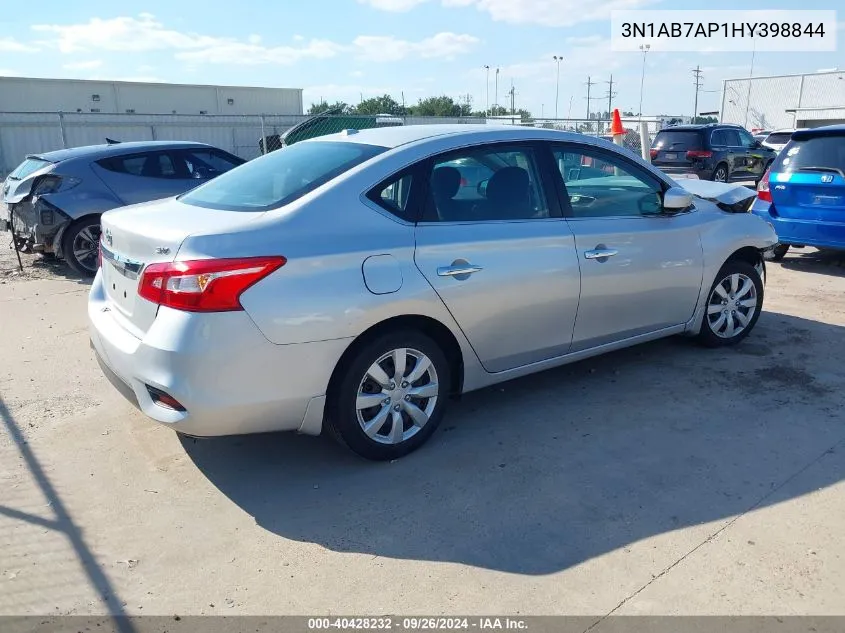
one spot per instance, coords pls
(699, 153)
(653, 153)
(204, 285)
(763, 191)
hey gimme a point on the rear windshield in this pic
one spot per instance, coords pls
(29, 166)
(280, 177)
(779, 138)
(823, 152)
(677, 139)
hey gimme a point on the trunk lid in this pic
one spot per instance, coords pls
(135, 236)
(807, 181)
(670, 147)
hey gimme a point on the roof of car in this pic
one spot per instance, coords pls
(114, 149)
(825, 130)
(691, 127)
(401, 135)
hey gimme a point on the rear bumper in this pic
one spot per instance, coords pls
(230, 379)
(802, 232)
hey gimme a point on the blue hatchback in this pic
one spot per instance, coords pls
(803, 193)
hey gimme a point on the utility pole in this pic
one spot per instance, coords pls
(697, 74)
(496, 104)
(487, 86)
(558, 59)
(512, 94)
(590, 84)
(610, 95)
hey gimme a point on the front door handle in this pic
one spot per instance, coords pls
(458, 270)
(600, 253)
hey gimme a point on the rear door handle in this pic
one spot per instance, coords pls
(457, 270)
(600, 253)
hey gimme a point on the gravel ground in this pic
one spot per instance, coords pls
(663, 479)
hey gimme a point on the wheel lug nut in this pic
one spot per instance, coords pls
(404, 384)
(393, 385)
(396, 408)
(386, 401)
(408, 398)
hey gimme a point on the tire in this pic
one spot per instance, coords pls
(720, 174)
(372, 430)
(83, 236)
(726, 309)
(779, 252)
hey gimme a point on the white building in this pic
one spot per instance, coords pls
(22, 94)
(785, 101)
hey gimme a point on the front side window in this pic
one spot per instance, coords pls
(279, 178)
(485, 183)
(207, 163)
(601, 185)
(746, 139)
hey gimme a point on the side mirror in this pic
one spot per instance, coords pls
(676, 199)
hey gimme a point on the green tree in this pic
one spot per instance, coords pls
(705, 119)
(323, 105)
(440, 106)
(384, 104)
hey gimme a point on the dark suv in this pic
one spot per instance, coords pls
(716, 151)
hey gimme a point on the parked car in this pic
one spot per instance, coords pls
(803, 194)
(714, 151)
(778, 139)
(328, 122)
(54, 200)
(341, 283)
(760, 135)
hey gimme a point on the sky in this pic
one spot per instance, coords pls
(352, 49)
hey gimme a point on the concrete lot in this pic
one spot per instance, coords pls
(664, 479)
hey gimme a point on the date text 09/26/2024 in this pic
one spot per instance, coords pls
(417, 623)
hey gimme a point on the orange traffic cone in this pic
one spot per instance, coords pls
(616, 128)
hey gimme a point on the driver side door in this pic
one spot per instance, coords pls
(641, 269)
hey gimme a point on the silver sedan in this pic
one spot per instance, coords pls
(354, 282)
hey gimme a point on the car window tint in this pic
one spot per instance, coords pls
(732, 138)
(745, 139)
(206, 163)
(485, 184)
(680, 140)
(718, 138)
(165, 166)
(278, 178)
(601, 185)
(826, 152)
(394, 196)
(779, 138)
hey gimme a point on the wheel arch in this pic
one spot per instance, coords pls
(58, 240)
(428, 325)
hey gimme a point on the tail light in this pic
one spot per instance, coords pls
(653, 153)
(763, 191)
(53, 183)
(698, 153)
(205, 285)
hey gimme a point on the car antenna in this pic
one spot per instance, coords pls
(111, 141)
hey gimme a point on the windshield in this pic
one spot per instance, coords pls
(677, 140)
(822, 152)
(281, 177)
(29, 166)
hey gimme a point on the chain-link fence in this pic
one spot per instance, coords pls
(246, 136)
(787, 101)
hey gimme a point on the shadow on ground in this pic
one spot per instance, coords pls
(540, 474)
(825, 262)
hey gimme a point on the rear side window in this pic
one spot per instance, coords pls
(677, 140)
(394, 196)
(152, 165)
(208, 163)
(820, 153)
(732, 138)
(280, 177)
(29, 166)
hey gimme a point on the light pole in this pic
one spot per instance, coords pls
(558, 59)
(487, 86)
(644, 48)
(496, 103)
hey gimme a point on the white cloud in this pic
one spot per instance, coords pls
(544, 12)
(386, 48)
(233, 52)
(8, 72)
(395, 6)
(86, 65)
(143, 33)
(9, 45)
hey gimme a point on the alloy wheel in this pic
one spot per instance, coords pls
(731, 305)
(397, 396)
(85, 246)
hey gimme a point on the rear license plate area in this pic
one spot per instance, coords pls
(121, 287)
(670, 156)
